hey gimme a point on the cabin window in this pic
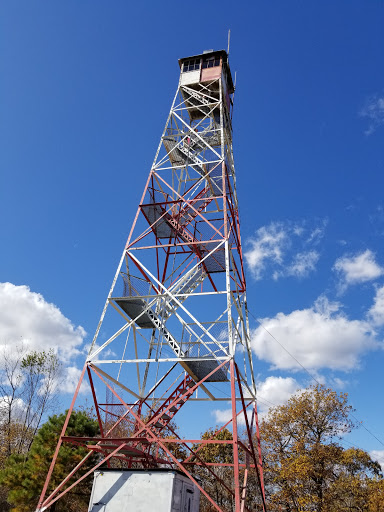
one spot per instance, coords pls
(191, 65)
(211, 62)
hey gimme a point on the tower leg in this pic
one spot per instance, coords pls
(235, 438)
(260, 458)
(59, 443)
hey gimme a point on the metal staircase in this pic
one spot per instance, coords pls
(184, 286)
(172, 404)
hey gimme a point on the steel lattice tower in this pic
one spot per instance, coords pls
(176, 314)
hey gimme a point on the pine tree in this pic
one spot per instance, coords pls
(24, 476)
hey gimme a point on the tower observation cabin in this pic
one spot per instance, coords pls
(206, 69)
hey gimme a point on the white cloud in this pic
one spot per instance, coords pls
(271, 392)
(26, 317)
(71, 379)
(303, 263)
(222, 415)
(18, 407)
(317, 233)
(275, 391)
(378, 455)
(318, 337)
(338, 383)
(374, 112)
(298, 230)
(284, 249)
(376, 313)
(358, 268)
(107, 352)
(268, 244)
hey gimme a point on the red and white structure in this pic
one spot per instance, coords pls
(173, 339)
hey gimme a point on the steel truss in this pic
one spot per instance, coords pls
(176, 314)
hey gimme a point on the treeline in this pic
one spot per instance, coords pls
(30, 382)
(307, 467)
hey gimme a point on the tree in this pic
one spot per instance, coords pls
(24, 477)
(28, 384)
(376, 495)
(305, 467)
(42, 372)
(354, 481)
(219, 454)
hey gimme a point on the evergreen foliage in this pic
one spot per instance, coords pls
(24, 476)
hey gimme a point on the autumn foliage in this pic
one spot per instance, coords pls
(306, 468)
(308, 465)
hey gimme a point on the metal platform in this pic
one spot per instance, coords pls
(135, 307)
(202, 368)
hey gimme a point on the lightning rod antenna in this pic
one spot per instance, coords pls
(229, 40)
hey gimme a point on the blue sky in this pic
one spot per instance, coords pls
(84, 93)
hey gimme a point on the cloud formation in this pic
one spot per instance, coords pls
(303, 263)
(268, 244)
(373, 110)
(222, 415)
(283, 249)
(18, 408)
(271, 392)
(378, 455)
(358, 268)
(71, 379)
(376, 313)
(318, 337)
(27, 318)
(275, 391)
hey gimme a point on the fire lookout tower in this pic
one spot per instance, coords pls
(176, 315)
